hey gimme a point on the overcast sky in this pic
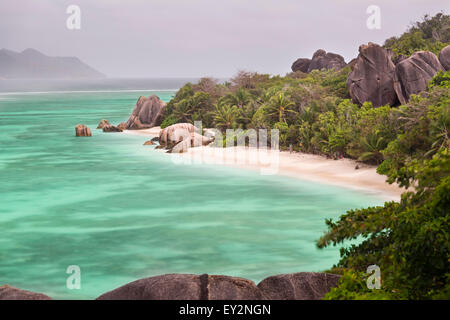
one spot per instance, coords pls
(192, 38)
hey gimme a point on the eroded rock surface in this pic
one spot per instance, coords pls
(372, 77)
(413, 74)
(11, 293)
(147, 113)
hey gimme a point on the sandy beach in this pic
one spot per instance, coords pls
(303, 166)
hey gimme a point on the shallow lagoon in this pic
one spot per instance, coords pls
(122, 211)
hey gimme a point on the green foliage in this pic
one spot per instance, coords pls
(432, 34)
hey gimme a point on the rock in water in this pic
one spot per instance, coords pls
(298, 286)
(301, 64)
(372, 77)
(147, 113)
(122, 126)
(149, 143)
(444, 57)
(102, 123)
(111, 128)
(326, 60)
(186, 287)
(11, 293)
(412, 74)
(82, 131)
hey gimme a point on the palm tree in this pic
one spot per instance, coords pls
(372, 145)
(225, 116)
(183, 111)
(280, 105)
(239, 99)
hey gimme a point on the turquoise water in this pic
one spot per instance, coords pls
(122, 211)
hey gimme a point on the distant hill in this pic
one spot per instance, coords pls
(32, 64)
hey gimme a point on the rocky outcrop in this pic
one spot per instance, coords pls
(82, 131)
(147, 113)
(298, 286)
(326, 60)
(412, 74)
(444, 57)
(179, 137)
(111, 128)
(176, 133)
(103, 123)
(320, 60)
(372, 77)
(186, 287)
(301, 64)
(149, 143)
(11, 293)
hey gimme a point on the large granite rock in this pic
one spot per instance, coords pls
(298, 286)
(186, 287)
(181, 136)
(147, 113)
(412, 74)
(82, 131)
(372, 77)
(301, 64)
(11, 293)
(444, 57)
(176, 133)
(326, 60)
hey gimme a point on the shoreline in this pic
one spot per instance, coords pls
(297, 165)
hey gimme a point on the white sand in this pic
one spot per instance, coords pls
(145, 132)
(297, 165)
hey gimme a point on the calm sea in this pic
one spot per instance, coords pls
(121, 211)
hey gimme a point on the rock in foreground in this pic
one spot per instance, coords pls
(82, 131)
(295, 286)
(372, 77)
(412, 74)
(11, 293)
(147, 113)
(298, 286)
(186, 287)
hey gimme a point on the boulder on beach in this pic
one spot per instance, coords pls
(176, 133)
(82, 131)
(103, 123)
(195, 140)
(10, 293)
(186, 287)
(147, 113)
(111, 128)
(444, 58)
(326, 60)
(372, 77)
(413, 74)
(298, 286)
